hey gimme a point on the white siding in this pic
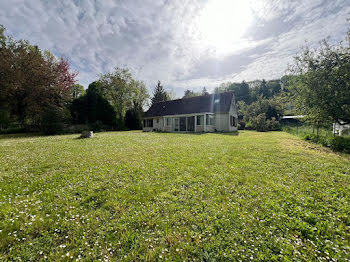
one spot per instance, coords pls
(222, 122)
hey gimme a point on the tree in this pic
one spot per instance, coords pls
(77, 91)
(159, 94)
(274, 87)
(92, 108)
(2, 35)
(122, 91)
(321, 82)
(189, 93)
(263, 89)
(204, 92)
(133, 118)
(242, 90)
(261, 115)
(32, 80)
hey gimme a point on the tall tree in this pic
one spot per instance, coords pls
(92, 108)
(122, 91)
(204, 92)
(274, 87)
(159, 94)
(32, 80)
(322, 82)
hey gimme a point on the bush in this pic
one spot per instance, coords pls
(339, 143)
(318, 139)
(260, 123)
(273, 124)
(52, 120)
(133, 119)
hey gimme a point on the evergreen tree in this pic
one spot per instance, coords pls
(204, 92)
(159, 94)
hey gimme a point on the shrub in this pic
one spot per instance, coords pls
(273, 124)
(261, 123)
(318, 139)
(52, 120)
(249, 126)
(339, 143)
(133, 119)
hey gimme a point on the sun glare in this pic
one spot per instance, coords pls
(222, 24)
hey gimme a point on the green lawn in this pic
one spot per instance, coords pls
(157, 196)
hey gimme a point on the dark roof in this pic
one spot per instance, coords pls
(215, 103)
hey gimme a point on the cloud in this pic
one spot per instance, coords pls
(159, 39)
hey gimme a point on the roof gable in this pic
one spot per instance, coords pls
(214, 103)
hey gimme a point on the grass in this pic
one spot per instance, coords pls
(130, 196)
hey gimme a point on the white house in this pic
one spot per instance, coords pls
(208, 113)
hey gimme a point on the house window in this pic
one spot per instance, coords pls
(168, 121)
(200, 120)
(210, 120)
(148, 123)
(157, 121)
(232, 121)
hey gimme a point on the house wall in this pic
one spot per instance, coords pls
(158, 124)
(210, 128)
(222, 122)
(233, 112)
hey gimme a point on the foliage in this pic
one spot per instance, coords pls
(77, 91)
(242, 90)
(159, 94)
(122, 91)
(322, 82)
(340, 143)
(2, 35)
(92, 108)
(4, 119)
(204, 92)
(189, 93)
(32, 80)
(337, 143)
(261, 115)
(53, 120)
(133, 118)
(323, 136)
(131, 196)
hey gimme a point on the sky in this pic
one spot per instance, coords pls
(186, 44)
